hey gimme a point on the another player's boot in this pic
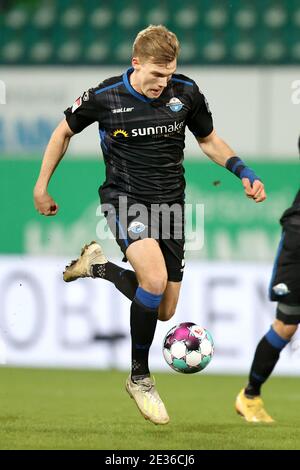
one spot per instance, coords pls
(82, 267)
(148, 400)
(252, 409)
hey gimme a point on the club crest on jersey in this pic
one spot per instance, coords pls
(175, 104)
(76, 104)
(136, 227)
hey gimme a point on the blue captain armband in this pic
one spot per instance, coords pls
(238, 167)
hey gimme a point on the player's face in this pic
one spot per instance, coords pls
(151, 79)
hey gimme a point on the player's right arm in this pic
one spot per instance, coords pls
(55, 150)
(79, 116)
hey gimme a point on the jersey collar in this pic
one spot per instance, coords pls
(131, 90)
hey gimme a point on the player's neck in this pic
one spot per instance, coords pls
(134, 82)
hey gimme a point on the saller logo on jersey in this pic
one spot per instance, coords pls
(122, 110)
(175, 104)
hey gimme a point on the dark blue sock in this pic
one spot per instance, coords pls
(143, 320)
(124, 279)
(265, 358)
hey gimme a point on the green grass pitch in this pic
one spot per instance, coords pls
(71, 409)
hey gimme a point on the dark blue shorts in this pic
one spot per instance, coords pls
(285, 282)
(130, 220)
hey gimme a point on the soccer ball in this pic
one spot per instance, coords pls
(188, 348)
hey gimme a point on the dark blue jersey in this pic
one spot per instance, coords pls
(285, 286)
(142, 139)
(290, 219)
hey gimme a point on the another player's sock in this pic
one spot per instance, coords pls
(265, 358)
(143, 319)
(124, 279)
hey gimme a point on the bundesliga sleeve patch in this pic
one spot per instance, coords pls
(76, 104)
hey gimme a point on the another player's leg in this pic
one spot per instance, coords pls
(147, 260)
(249, 403)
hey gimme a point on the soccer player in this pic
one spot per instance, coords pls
(285, 290)
(142, 116)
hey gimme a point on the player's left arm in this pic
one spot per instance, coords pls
(219, 152)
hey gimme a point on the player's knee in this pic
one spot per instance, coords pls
(284, 330)
(155, 283)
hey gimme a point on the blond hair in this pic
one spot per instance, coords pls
(157, 44)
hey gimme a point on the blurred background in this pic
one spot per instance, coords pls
(245, 57)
